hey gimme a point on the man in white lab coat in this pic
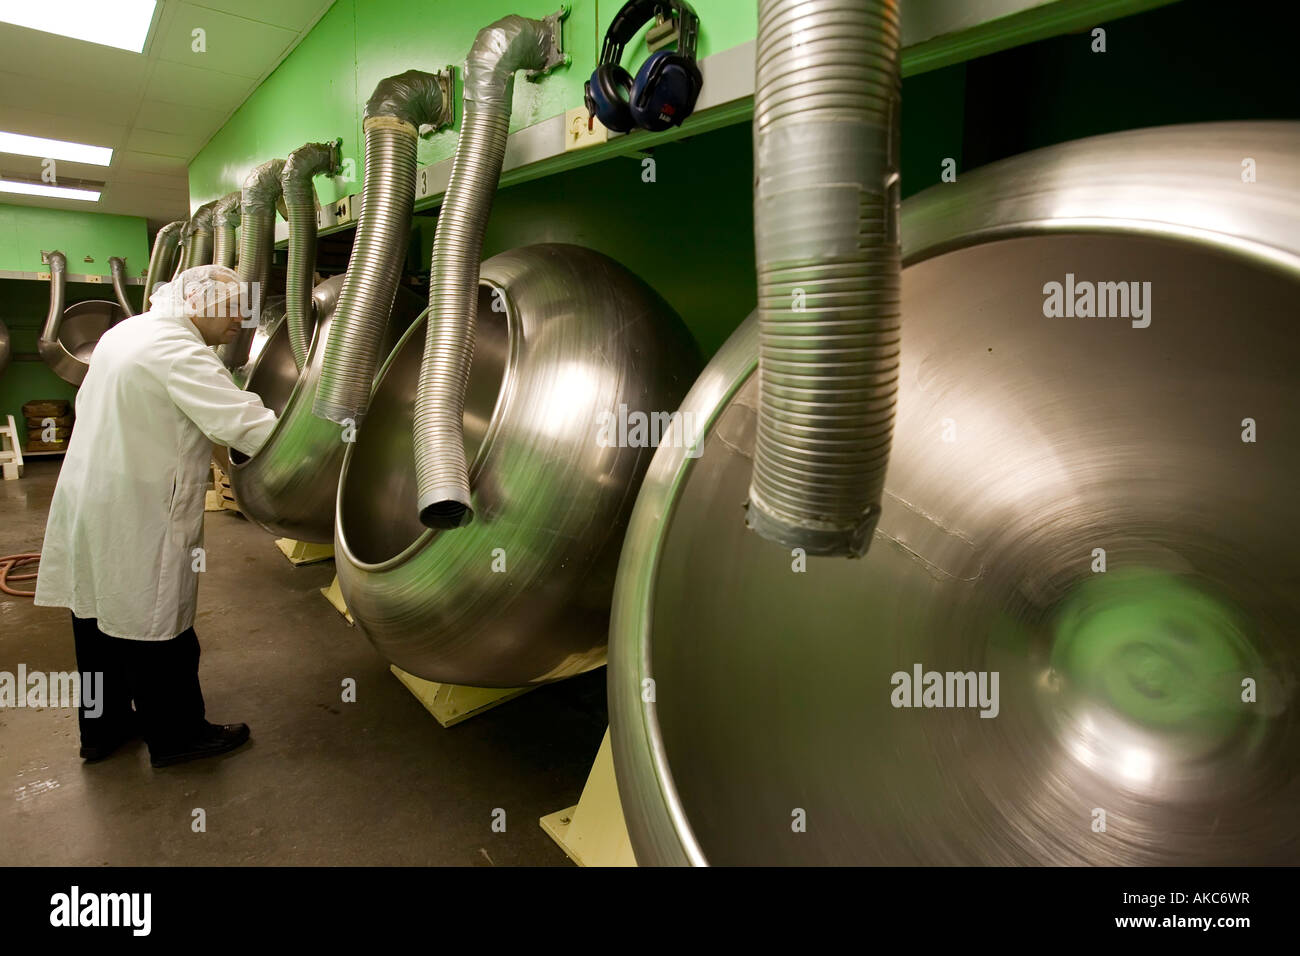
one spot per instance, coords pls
(122, 544)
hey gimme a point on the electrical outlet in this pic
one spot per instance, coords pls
(337, 213)
(578, 134)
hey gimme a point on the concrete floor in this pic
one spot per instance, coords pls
(322, 782)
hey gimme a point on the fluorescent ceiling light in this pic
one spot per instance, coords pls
(56, 192)
(118, 23)
(55, 149)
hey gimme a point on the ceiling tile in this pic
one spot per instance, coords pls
(186, 120)
(165, 144)
(132, 176)
(73, 98)
(177, 83)
(291, 14)
(151, 162)
(76, 129)
(230, 44)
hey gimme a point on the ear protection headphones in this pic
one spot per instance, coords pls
(668, 83)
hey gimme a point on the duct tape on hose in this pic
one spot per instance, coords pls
(226, 211)
(202, 218)
(412, 98)
(262, 187)
(305, 162)
(512, 43)
(822, 189)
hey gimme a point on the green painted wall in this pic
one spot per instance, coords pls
(319, 91)
(24, 232)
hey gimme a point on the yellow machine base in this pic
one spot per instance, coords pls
(453, 703)
(304, 552)
(593, 833)
(334, 594)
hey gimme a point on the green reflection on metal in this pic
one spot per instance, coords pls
(1156, 649)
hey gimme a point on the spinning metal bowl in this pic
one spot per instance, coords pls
(79, 331)
(1145, 713)
(289, 486)
(520, 596)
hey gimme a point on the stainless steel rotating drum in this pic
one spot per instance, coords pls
(79, 331)
(567, 340)
(289, 486)
(1075, 638)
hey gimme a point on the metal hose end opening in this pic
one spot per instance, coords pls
(826, 208)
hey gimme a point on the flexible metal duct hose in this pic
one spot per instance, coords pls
(225, 217)
(160, 260)
(394, 113)
(198, 248)
(442, 473)
(182, 248)
(117, 267)
(303, 163)
(49, 337)
(826, 112)
(257, 240)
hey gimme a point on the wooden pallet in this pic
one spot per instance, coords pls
(11, 451)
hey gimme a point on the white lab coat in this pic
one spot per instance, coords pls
(127, 511)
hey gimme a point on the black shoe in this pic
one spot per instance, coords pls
(102, 749)
(214, 739)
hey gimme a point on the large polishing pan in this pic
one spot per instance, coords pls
(1100, 511)
(79, 331)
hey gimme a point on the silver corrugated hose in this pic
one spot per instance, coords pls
(49, 336)
(826, 113)
(256, 243)
(117, 268)
(312, 159)
(198, 247)
(225, 218)
(184, 240)
(160, 260)
(396, 110)
(442, 474)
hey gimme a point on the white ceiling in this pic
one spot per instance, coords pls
(156, 109)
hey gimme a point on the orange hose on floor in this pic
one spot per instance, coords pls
(11, 561)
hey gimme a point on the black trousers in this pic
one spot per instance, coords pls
(160, 677)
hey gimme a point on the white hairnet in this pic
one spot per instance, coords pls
(199, 291)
